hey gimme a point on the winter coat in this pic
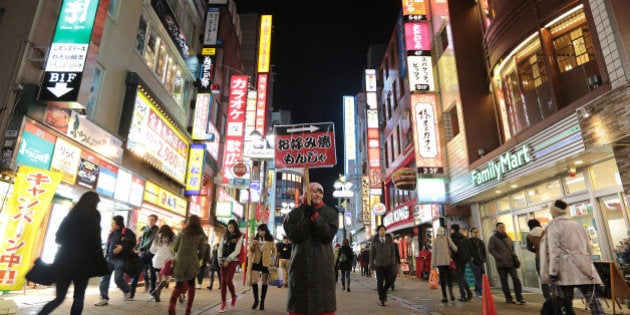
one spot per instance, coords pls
(442, 248)
(347, 264)
(382, 254)
(214, 261)
(478, 251)
(501, 248)
(80, 255)
(533, 240)
(116, 237)
(463, 253)
(312, 287)
(267, 253)
(284, 250)
(161, 251)
(566, 252)
(228, 242)
(189, 251)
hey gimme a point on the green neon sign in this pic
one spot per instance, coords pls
(497, 168)
(76, 21)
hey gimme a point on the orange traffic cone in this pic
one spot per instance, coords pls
(487, 303)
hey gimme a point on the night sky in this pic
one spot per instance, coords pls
(318, 52)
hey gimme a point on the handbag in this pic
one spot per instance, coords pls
(167, 270)
(516, 263)
(434, 279)
(133, 264)
(274, 278)
(41, 273)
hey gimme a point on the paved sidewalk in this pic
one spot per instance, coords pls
(412, 296)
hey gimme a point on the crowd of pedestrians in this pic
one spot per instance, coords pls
(308, 259)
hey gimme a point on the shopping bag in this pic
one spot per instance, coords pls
(41, 273)
(273, 274)
(280, 273)
(434, 279)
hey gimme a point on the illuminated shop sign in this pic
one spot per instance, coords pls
(123, 185)
(66, 160)
(212, 26)
(137, 191)
(424, 213)
(88, 170)
(155, 137)
(349, 129)
(212, 146)
(431, 190)
(417, 36)
(261, 103)
(234, 129)
(415, 10)
(370, 80)
(264, 49)
(419, 62)
(425, 133)
(164, 198)
(69, 48)
(175, 32)
(365, 199)
(398, 215)
(207, 60)
(106, 183)
(194, 176)
(497, 168)
(202, 115)
(36, 147)
(420, 70)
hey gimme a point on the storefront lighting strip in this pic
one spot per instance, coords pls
(565, 14)
(513, 52)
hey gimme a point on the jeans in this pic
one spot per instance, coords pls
(345, 274)
(202, 270)
(460, 268)
(478, 272)
(212, 271)
(587, 291)
(227, 280)
(116, 265)
(383, 277)
(62, 289)
(503, 274)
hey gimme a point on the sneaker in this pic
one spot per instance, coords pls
(102, 302)
(128, 296)
(233, 303)
(199, 286)
(223, 308)
(181, 298)
(521, 301)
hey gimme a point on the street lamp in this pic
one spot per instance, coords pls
(342, 191)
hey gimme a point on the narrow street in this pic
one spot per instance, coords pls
(412, 296)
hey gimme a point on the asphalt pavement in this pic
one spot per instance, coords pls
(411, 296)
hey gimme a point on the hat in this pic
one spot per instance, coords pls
(316, 185)
(558, 208)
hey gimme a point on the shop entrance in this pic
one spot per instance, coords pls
(528, 272)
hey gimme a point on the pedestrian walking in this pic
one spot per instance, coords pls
(80, 255)
(478, 259)
(263, 252)
(335, 255)
(533, 245)
(284, 255)
(441, 259)
(462, 256)
(203, 268)
(120, 243)
(161, 250)
(214, 266)
(396, 267)
(189, 249)
(344, 264)
(501, 247)
(143, 247)
(568, 262)
(229, 249)
(382, 260)
(311, 228)
(355, 260)
(425, 262)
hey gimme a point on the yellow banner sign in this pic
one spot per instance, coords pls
(165, 199)
(20, 222)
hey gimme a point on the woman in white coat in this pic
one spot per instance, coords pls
(566, 258)
(441, 259)
(161, 249)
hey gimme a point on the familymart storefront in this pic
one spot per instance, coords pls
(519, 185)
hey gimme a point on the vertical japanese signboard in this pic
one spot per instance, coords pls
(261, 103)
(305, 145)
(425, 134)
(349, 126)
(234, 129)
(264, 48)
(212, 26)
(194, 176)
(64, 67)
(201, 118)
(417, 42)
(373, 134)
(19, 224)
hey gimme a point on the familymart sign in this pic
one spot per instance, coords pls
(498, 168)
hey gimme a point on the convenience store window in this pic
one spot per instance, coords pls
(605, 175)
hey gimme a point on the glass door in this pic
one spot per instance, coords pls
(613, 211)
(528, 259)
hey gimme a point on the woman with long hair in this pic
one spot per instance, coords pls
(229, 249)
(441, 259)
(344, 264)
(161, 249)
(189, 249)
(80, 255)
(263, 253)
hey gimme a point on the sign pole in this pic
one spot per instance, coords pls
(307, 190)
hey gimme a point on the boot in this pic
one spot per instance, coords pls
(348, 285)
(173, 301)
(158, 290)
(343, 286)
(191, 298)
(450, 290)
(469, 294)
(255, 291)
(263, 294)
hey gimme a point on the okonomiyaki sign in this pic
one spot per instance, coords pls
(497, 168)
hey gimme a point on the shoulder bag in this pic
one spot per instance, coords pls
(515, 262)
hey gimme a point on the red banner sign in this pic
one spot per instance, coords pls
(305, 145)
(234, 130)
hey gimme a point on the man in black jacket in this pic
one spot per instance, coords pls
(284, 254)
(144, 244)
(462, 257)
(478, 258)
(120, 243)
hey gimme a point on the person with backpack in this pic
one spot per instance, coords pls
(462, 257)
(344, 264)
(120, 243)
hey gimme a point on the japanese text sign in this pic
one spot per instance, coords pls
(20, 222)
(264, 48)
(194, 177)
(425, 132)
(235, 126)
(261, 103)
(305, 145)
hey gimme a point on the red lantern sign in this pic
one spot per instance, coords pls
(239, 169)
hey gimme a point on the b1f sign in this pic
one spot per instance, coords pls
(62, 77)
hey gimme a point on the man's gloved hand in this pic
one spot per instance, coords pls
(553, 278)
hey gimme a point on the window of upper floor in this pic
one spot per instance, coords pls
(451, 123)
